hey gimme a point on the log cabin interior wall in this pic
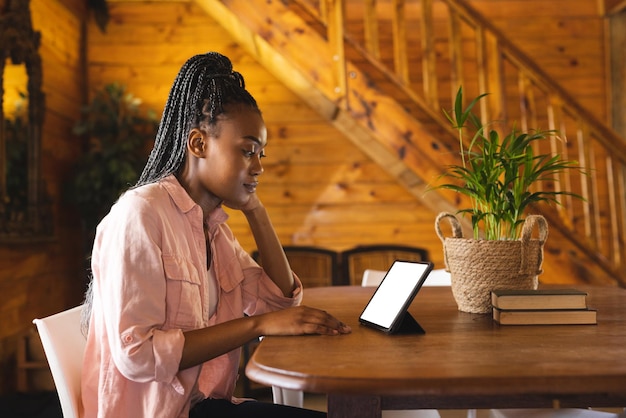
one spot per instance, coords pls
(41, 278)
(319, 188)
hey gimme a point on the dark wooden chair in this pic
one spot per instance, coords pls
(377, 257)
(315, 266)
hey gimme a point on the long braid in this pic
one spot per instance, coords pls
(204, 85)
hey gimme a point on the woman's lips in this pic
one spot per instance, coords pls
(251, 187)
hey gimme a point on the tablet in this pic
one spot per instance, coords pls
(387, 309)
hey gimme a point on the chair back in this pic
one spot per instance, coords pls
(376, 257)
(315, 266)
(437, 277)
(372, 277)
(64, 346)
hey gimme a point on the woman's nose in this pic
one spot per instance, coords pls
(257, 166)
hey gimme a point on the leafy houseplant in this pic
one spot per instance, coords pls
(497, 174)
(119, 138)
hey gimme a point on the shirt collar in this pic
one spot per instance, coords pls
(185, 203)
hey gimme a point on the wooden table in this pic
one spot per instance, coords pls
(463, 361)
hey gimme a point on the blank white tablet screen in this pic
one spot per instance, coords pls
(393, 292)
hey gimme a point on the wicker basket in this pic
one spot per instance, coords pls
(479, 266)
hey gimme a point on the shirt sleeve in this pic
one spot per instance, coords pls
(260, 293)
(132, 286)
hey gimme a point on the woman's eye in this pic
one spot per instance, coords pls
(250, 153)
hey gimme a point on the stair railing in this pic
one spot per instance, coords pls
(455, 46)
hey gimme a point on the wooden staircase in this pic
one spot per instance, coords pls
(388, 101)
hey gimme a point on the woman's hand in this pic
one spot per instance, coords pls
(250, 205)
(300, 320)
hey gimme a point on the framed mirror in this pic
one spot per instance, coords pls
(25, 212)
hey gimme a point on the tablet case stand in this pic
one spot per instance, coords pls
(409, 325)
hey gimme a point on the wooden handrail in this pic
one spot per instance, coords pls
(509, 77)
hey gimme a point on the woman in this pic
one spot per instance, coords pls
(173, 295)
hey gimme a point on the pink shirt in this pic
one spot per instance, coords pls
(151, 284)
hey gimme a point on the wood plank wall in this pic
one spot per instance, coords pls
(319, 188)
(565, 37)
(38, 279)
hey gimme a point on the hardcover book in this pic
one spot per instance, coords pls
(539, 299)
(545, 317)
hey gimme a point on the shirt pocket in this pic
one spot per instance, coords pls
(184, 293)
(230, 273)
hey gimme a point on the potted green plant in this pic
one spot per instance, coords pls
(499, 174)
(118, 135)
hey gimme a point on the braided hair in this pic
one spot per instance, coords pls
(204, 86)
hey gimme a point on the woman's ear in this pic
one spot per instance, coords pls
(196, 143)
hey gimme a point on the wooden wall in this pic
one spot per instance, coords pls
(318, 187)
(566, 38)
(39, 279)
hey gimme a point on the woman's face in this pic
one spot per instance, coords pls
(232, 161)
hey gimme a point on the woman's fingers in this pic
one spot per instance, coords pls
(322, 322)
(330, 325)
(304, 320)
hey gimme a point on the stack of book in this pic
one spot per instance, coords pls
(541, 307)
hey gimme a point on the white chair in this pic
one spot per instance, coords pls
(64, 346)
(438, 277)
(289, 397)
(372, 277)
